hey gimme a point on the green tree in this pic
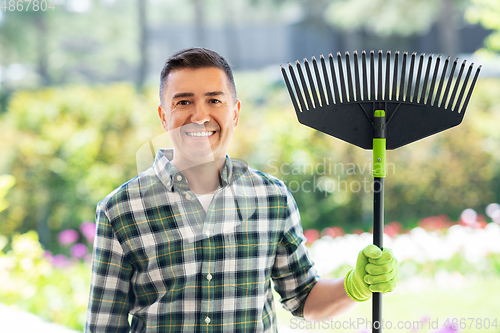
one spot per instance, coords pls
(487, 13)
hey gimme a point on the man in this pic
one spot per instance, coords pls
(193, 243)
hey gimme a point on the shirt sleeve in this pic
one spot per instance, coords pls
(293, 272)
(110, 297)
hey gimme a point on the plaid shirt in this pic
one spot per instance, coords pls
(161, 258)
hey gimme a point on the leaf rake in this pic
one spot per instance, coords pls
(379, 107)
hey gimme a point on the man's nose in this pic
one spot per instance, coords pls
(200, 115)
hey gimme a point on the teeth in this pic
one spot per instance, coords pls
(199, 133)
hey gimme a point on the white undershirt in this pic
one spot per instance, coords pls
(205, 200)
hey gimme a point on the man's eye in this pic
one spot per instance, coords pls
(183, 102)
(214, 101)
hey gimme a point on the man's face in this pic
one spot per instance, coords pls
(199, 112)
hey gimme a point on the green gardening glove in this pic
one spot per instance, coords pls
(376, 271)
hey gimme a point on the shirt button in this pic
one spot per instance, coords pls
(207, 233)
(188, 197)
(207, 320)
(209, 277)
(179, 177)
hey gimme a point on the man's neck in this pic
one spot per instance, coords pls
(202, 178)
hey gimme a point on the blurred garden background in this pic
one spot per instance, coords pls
(78, 97)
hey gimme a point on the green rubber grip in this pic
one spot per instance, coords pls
(379, 158)
(379, 144)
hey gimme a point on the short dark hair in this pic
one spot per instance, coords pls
(196, 57)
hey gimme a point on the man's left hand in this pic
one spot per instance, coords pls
(382, 273)
(376, 271)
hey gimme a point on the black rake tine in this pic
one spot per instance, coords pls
(349, 78)
(365, 76)
(356, 76)
(334, 78)
(464, 85)
(448, 84)
(379, 89)
(320, 85)
(433, 83)
(403, 77)
(410, 77)
(426, 79)
(290, 91)
(372, 75)
(455, 88)
(387, 74)
(327, 81)
(311, 83)
(471, 88)
(395, 77)
(297, 88)
(441, 82)
(304, 86)
(341, 77)
(417, 82)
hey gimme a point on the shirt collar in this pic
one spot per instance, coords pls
(168, 173)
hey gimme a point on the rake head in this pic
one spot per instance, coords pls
(341, 103)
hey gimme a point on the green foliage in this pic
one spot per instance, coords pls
(487, 13)
(6, 182)
(28, 280)
(494, 263)
(68, 148)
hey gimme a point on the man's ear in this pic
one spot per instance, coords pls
(237, 108)
(161, 114)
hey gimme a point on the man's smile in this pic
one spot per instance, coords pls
(200, 133)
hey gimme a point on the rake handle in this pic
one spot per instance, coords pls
(378, 232)
(379, 149)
